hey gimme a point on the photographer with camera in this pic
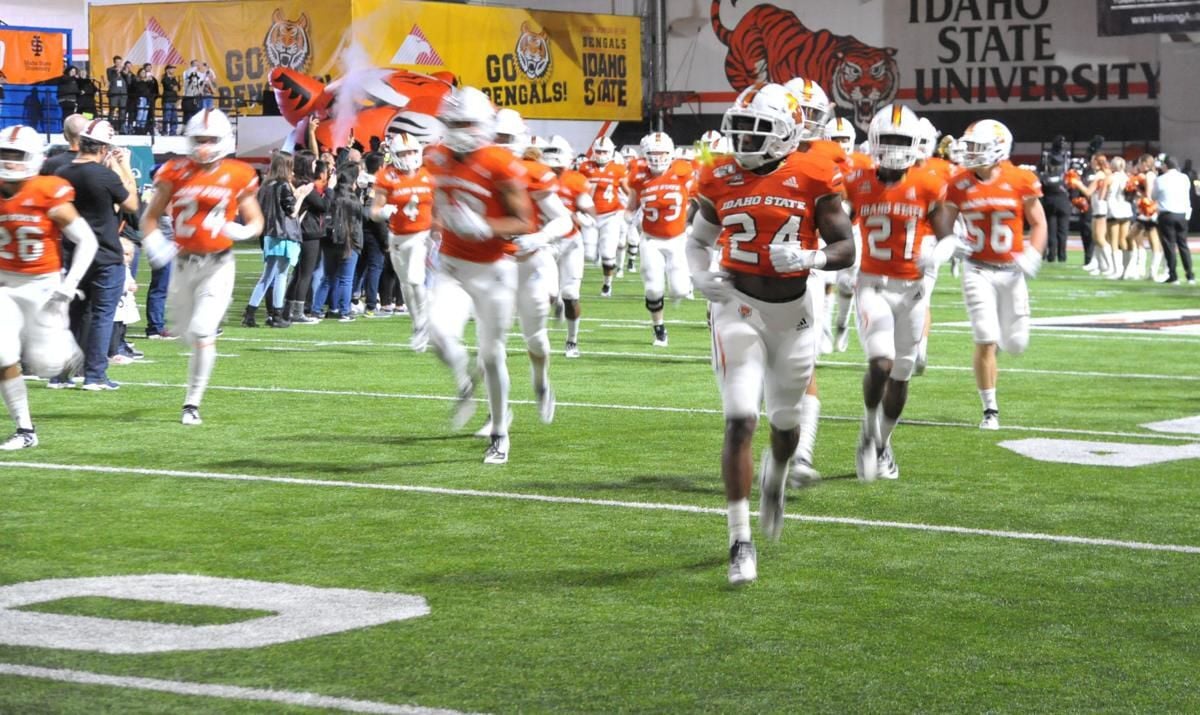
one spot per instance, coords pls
(1055, 200)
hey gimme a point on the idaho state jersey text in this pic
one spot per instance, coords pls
(474, 182)
(893, 219)
(411, 194)
(204, 199)
(994, 210)
(756, 210)
(30, 241)
(664, 198)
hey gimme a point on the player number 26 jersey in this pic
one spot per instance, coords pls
(29, 240)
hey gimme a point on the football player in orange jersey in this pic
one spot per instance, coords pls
(35, 214)
(661, 188)
(942, 169)
(606, 175)
(482, 205)
(576, 195)
(995, 199)
(892, 205)
(763, 206)
(841, 131)
(404, 199)
(206, 192)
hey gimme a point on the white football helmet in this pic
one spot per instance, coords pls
(558, 153)
(895, 137)
(840, 130)
(98, 130)
(470, 120)
(629, 153)
(816, 110)
(22, 150)
(715, 143)
(511, 131)
(405, 151)
(659, 150)
(761, 124)
(686, 153)
(210, 135)
(985, 143)
(929, 137)
(603, 151)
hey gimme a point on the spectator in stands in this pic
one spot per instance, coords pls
(193, 83)
(102, 179)
(118, 93)
(68, 91)
(208, 85)
(139, 103)
(87, 95)
(170, 101)
(1172, 191)
(281, 242)
(313, 179)
(73, 126)
(150, 84)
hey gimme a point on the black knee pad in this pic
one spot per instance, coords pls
(631, 250)
(608, 266)
(571, 309)
(654, 305)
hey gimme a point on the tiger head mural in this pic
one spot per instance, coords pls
(533, 52)
(287, 43)
(770, 44)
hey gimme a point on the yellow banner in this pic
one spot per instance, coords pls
(241, 41)
(546, 65)
(29, 56)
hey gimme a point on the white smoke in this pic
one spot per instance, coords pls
(362, 84)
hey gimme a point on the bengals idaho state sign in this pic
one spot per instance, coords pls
(545, 65)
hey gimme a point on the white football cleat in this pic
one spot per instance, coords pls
(772, 495)
(841, 342)
(21, 439)
(887, 464)
(991, 420)
(572, 350)
(190, 415)
(464, 406)
(419, 342)
(497, 451)
(545, 402)
(743, 563)
(801, 473)
(866, 460)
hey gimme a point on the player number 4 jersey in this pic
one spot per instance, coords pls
(606, 185)
(411, 194)
(994, 210)
(204, 199)
(756, 210)
(893, 219)
(30, 241)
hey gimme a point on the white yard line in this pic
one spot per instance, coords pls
(648, 408)
(228, 692)
(645, 506)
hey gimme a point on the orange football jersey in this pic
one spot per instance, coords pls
(830, 150)
(30, 241)
(757, 210)
(893, 219)
(474, 182)
(940, 168)
(994, 210)
(539, 179)
(204, 199)
(664, 198)
(411, 194)
(606, 185)
(572, 185)
(859, 160)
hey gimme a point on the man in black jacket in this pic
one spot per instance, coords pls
(1055, 200)
(118, 94)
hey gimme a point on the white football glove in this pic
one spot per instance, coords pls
(159, 251)
(235, 231)
(1029, 261)
(936, 253)
(715, 285)
(846, 279)
(386, 213)
(465, 222)
(529, 243)
(584, 220)
(791, 258)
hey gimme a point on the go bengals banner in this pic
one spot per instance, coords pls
(241, 41)
(31, 56)
(546, 65)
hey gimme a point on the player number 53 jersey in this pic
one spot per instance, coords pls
(29, 240)
(893, 219)
(994, 210)
(756, 211)
(664, 198)
(204, 199)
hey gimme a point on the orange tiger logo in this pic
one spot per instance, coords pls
(533, 52)
(770, 44)
(287, 42)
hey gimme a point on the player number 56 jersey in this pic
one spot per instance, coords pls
(29, 240)
(756, 211)
(994, 210)
(204, 199)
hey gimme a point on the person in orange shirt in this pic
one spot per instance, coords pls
(206, 192)
(661, 188)
(36, 213)
(891, 205)
(404, 199)
(606, 175)
(576, 194)
(763, 207)
(995, 199)
(483, 208)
